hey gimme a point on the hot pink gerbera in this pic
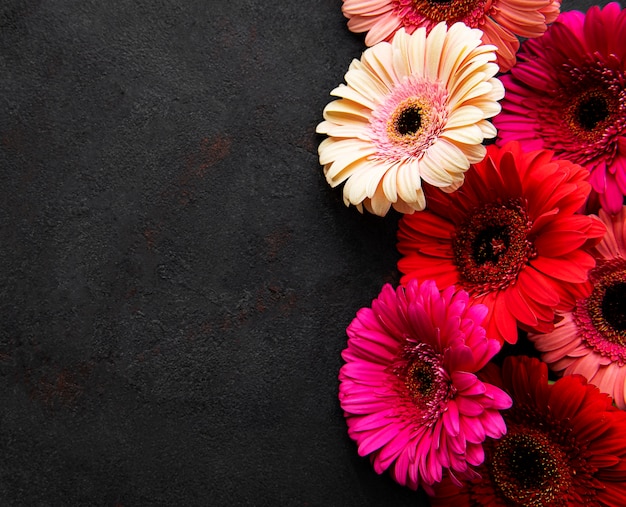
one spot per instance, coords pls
(568, 94)
(408, 388)
(591, 339)
(565, 446)
(500, 20)
(510, 236)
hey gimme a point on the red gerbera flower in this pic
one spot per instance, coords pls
(510, 236)
(411, 398)
(565, 446)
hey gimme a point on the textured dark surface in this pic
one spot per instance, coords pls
(176, 274)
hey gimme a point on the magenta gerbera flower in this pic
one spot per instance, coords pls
(565, 446)
(500, 20)
(408, 388)
(510, 236)
(591, 339)
(568, 94)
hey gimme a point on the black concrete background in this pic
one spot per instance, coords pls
(176, 274)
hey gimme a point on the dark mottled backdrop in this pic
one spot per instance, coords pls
(176, 274)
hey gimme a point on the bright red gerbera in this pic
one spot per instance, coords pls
(501, 21)
(510, 236)
(408, 388)
(567, 93)
(591, 339)
(565, 446)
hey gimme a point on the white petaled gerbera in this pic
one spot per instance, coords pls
(411, 110)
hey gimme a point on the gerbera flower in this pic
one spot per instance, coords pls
(413, 109)
(500, 20)
(509, 236)
(568, 94)
(409, 390)
(564, 446)
(591, 339)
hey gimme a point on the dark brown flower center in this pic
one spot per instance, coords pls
(409, 120)
(614, 305)
(450, 10)
(529, 469)
(492, 246)
(592, 110)
(425, 379)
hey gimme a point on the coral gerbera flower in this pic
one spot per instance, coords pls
(412, 109)
(564, 446)
(409, 390)
(568, 94)
(510, 236)
(500, 20)
(591, 339)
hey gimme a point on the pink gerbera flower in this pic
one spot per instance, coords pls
(500, 20)
(409, 390)
(564, 447)
(591, 339)
(568, 94)
(510, 236)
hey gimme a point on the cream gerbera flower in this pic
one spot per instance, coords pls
(414, 109)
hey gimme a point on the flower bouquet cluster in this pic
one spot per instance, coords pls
(506, 163)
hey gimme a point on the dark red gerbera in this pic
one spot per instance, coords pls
(565, 446)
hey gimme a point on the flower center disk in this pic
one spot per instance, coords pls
(470, 11)
(423, 375)
(529, 469)
(492, 246)
(408, 121)
(602, 316)
(590, 112)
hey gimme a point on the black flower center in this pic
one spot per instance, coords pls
(529, 469)
(614, 305)
(489, 244)
(592, 110)
(409, 120)
(492, 246)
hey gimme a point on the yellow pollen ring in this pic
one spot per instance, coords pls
(411, 107)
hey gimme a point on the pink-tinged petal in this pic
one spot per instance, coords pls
(493, 423)
(464, 381)
(451, 419)
(473, 429)
(501, 400)
(374, 440)
(475, 454)
(469, 406)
